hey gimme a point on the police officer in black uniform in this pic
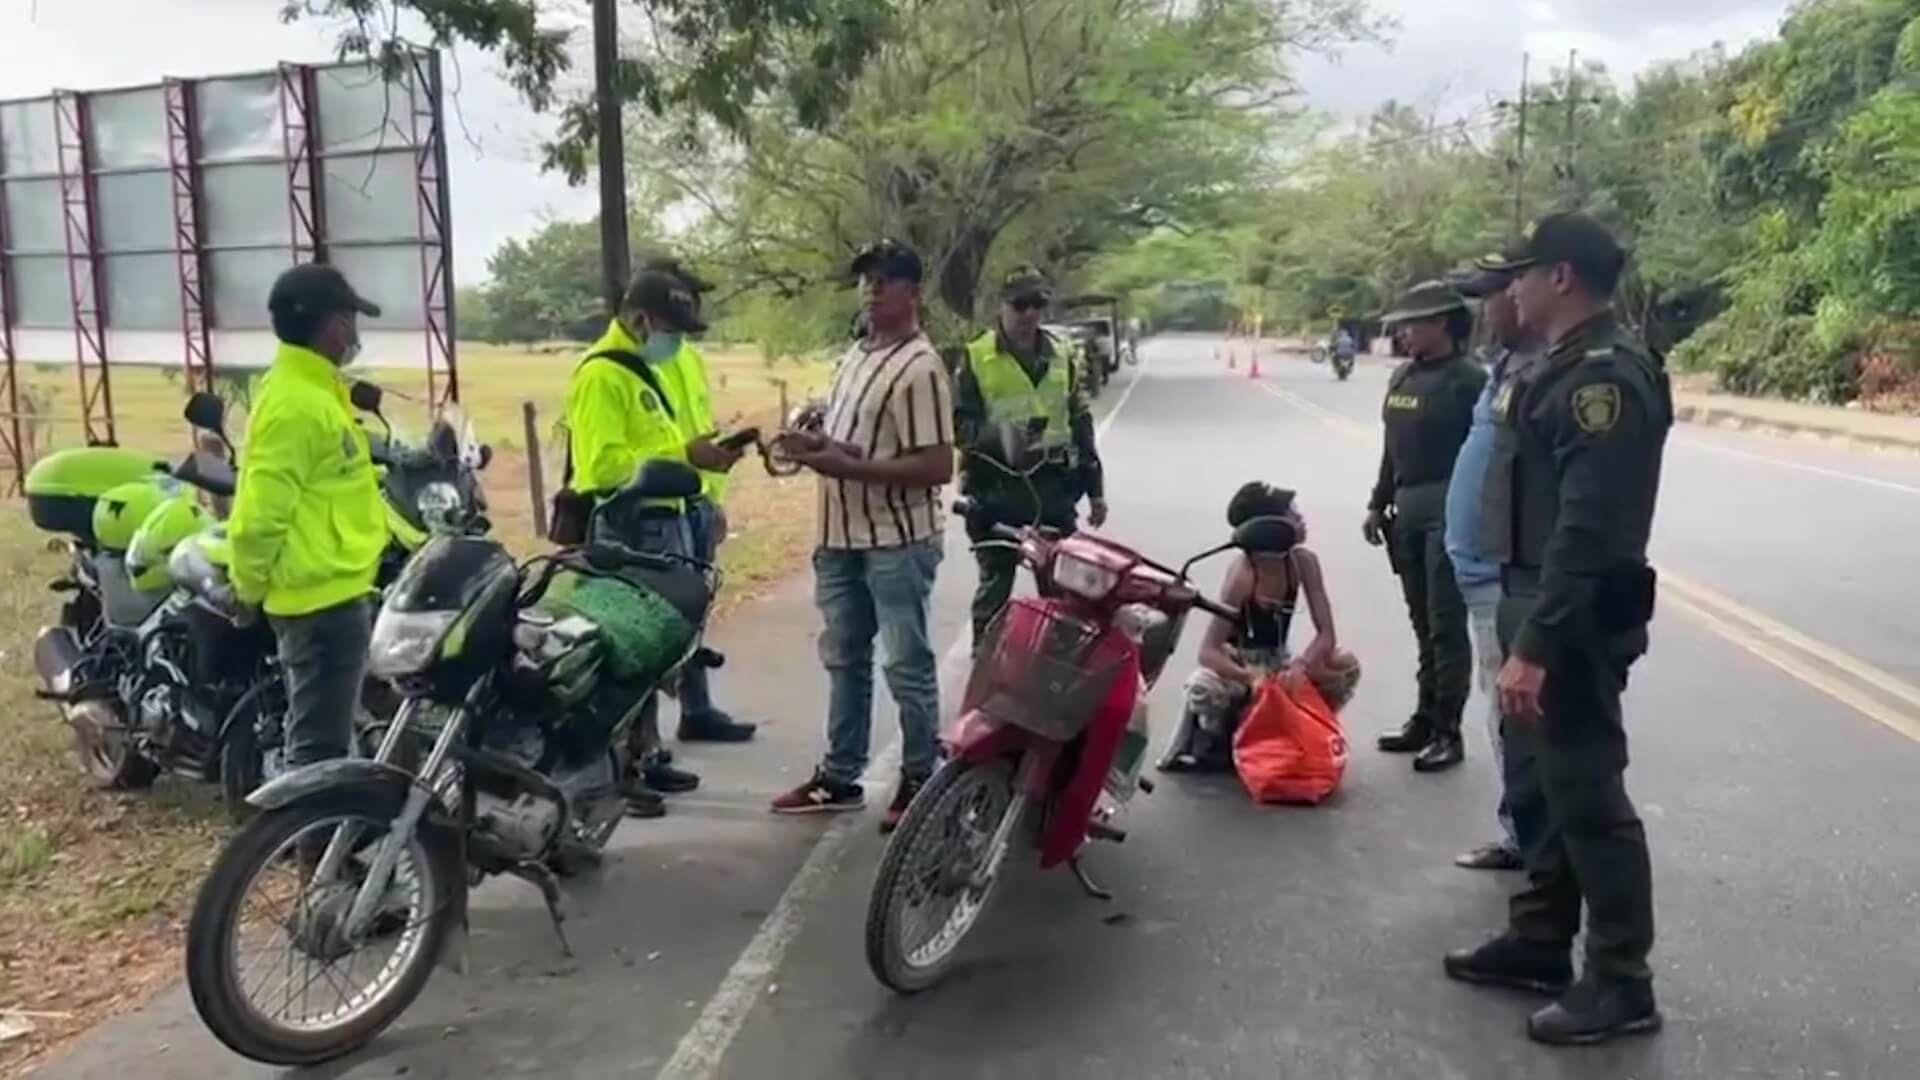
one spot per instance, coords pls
(1428, 411)
(1590, 421)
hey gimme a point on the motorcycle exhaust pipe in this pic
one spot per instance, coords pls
(56, 653)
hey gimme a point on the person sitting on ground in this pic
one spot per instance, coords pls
(1235, 656)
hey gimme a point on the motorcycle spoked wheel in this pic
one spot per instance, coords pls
(922, 906)
(228, 990)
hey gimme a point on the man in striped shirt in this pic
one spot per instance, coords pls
(882, 455)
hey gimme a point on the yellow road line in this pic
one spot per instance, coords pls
(1846, 694)
(1768, 628)
(1791, 651)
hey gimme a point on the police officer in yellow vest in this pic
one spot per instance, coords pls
(1026, 435)
(686, 376)
(629, 402)
(308, 523)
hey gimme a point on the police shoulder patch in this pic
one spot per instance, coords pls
(1596, 407)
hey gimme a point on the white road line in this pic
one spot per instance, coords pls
(1836, 474)
(701, 1049)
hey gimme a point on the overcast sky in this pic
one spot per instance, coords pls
(1447, 56)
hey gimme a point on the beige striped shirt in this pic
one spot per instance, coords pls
(889, 402)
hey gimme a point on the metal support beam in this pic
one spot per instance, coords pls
(85, 279)
(10, 433)
(300, 136)
(436, 236)
(188, 246)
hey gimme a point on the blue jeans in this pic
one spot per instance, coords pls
(1483, 606)
(883, 592)
(703, 538)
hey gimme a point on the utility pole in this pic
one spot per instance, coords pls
(1520, 152)
(1573, 101)
(614, 259)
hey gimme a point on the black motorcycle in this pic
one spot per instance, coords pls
(518, 684)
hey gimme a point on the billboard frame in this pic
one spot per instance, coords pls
(416, 102)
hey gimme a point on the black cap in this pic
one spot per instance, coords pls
(1488, 276)
(1424, 301)
(316, 289)
(668, 297)
(889, 260)
(671, 264)
(1026, 282)
(1573, 238)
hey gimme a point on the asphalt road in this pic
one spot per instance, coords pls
(1775, 761)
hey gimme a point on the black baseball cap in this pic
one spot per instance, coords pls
(671, 264)
(1489, 275)
(889, 260)
(1579, 240)
(668, 297)
(1026, 283)
(317, 289)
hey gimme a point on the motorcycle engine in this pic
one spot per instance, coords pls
(515, 830)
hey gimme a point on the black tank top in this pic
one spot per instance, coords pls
(1264, 624)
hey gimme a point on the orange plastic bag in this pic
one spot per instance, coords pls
(1289, 748)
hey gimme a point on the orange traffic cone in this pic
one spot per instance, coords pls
(1253, 367)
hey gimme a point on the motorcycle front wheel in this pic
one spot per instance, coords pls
(936, 878)
(273, 973)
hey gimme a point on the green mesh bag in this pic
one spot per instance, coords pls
(642, 633)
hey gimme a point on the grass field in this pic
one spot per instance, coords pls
(93, 886)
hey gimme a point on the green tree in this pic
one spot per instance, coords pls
(711, 59)
(547, 286)
(990, 132)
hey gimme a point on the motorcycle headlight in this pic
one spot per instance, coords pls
(405, 641)
(1084, 578)
(439, 504)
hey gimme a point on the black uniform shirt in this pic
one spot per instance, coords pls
(1428, 411)
(1591, 423)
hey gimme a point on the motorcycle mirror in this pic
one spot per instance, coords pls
(486, 455)
(1266, 536)
(442, 441)
(206, 412)
(366, 396)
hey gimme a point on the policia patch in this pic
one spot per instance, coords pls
(1596, 408)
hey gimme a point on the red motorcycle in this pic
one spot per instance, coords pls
(1052, 729)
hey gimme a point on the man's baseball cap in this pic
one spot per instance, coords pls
(1573, 238)
(1026, 283)
(668, 297)
(1424, 301)
(671, 264)
(888, 260)
(1489, 275)
(316, 289)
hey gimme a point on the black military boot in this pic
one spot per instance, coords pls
(1596, 1010)
(1516, 963)
(1442, 752)
(715, 726)
(1412, 736)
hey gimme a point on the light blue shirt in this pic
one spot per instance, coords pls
(1473, 568)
